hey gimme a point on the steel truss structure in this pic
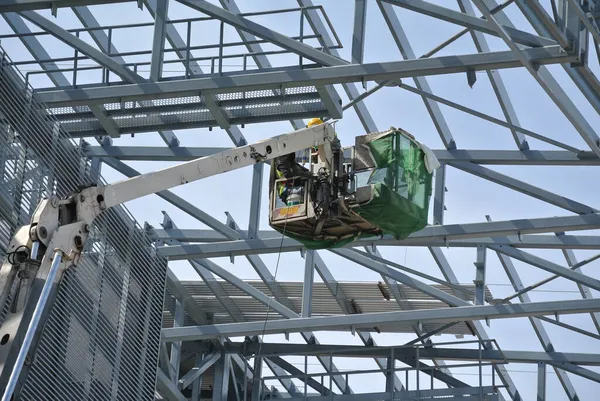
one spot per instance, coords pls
(516, 92)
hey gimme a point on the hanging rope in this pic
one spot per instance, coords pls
(274, 281)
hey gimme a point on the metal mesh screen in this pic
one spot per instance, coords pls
(101, 338)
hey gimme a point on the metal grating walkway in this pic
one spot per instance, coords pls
(192, 112)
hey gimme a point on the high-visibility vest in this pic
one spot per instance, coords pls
(280, 185)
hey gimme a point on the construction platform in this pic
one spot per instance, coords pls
(238, 108)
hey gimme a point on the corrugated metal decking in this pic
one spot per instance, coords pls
(366, 296)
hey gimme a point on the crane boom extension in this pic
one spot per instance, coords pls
(59, 228)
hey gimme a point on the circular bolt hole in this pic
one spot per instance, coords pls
(43, 232)
(269, 150)
(284, 145)
(5, 339)
(100, 198)
(78, 242)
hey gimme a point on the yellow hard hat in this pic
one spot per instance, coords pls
(314, 121)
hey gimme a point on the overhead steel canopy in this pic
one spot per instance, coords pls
(505, 93)
(25, 5)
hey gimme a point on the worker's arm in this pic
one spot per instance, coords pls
(289, 168)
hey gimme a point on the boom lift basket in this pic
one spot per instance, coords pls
(393, 174)
(385, 188)
(282, 213)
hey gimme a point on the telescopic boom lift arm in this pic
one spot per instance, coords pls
(145, 184)
(90, 202)
(59, 229)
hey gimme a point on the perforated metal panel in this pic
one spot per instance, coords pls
(101, 338)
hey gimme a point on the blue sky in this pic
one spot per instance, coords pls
(469, 198)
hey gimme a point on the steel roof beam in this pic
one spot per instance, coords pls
(158, 40)
(445, 353)
(101, 39)
(443, 233)
(193, 333)
(475, 156)
(546, 81)
(300, 77)
(525, 188)
(318, 27)
(583, 242)
(496, 81)
(403, 44)
(358, 36)
(462, 19)
(548, 266)
(279, 294)
(262, 32)
(25, 5)
(487, 117)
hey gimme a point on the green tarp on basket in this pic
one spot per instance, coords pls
(400, 185)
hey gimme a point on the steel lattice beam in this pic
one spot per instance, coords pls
(553, 42)
(299, 77)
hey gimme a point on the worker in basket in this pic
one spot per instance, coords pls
(286, 166)
(289, 191)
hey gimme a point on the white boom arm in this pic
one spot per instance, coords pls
(146, 184)
(90, 202)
